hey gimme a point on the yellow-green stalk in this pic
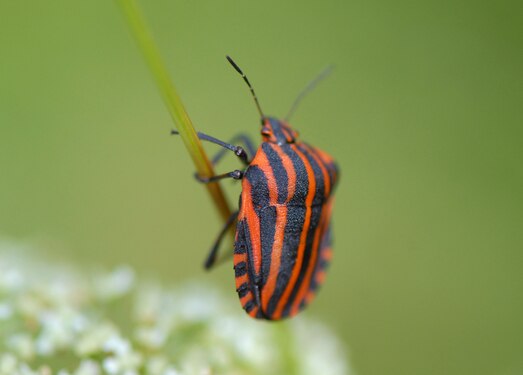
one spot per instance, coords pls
(173, 102)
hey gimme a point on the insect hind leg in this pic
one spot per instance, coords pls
(210, 261)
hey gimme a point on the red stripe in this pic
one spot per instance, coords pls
(253, 221)
(281, 220)
(263, 163)
(272, 278)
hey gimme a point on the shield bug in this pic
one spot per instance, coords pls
(283, 231)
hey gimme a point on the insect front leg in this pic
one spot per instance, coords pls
(239, 138)
(229, 146)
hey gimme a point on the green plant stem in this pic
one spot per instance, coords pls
(146, 44)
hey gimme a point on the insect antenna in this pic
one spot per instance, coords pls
(231, 61)
(310, 86)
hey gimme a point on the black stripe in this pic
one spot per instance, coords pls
(240, 245)
(319, 196)
(249, 306)
(243, 290)
(268, 229)
(314, 285)
(259, 187)
(302, 182)
(245, 233)
(325, 245)
(323, 264)
(326, 241)
(277, 130)
(243, 241)
(240, 269)
(278, 170)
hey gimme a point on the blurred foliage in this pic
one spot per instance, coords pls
(56, 320)
(423, 114)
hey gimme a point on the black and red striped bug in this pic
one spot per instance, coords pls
(283, 232)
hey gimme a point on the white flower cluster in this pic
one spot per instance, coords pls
(58, 320)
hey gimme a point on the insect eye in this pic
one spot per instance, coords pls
(266, 131)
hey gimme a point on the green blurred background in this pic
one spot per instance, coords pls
(423, 114)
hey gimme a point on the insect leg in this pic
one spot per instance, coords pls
(238, 150)
(236, 174)
(239, 138)
(211, 258)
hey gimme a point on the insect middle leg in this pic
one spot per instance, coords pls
(236, 174)
(226, 146)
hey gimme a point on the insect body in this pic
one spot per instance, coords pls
(283, 239)
(283, 233)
